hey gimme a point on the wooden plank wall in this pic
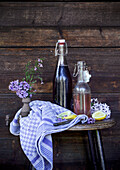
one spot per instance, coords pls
(29, 30)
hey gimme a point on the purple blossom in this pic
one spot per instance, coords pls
(100, 106)
(26, 86)
(30, 95)
(42, 82)
(90, 120)
(23, 88)
(40, 65)
(35, 68)
(14, 85)
(22, 93)
(39, 60)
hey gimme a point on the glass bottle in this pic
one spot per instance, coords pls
(62, 81)
(82, 92)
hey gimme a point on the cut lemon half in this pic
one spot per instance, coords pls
(70, 117)
(63, 114)
(99, 115)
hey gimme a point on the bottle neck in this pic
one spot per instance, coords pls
(61, 54)
(80, 75)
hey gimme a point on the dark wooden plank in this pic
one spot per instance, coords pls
(60, 13)
(73, 147)
(12, 156)
(67, 147)
(76, 37)
(85, 166)
(11, 153)
(97, 84)
(103, 62)
(99, 60)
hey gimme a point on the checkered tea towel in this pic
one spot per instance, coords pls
(35, 132)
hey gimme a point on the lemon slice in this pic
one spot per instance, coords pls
(70, 117)
(63, 114)
(99, 115)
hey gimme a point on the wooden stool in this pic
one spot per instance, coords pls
(95, 140)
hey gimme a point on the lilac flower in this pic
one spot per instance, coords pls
(24, 85)
(42, 82)
(35, 68)
(14, 85)
(40, 65)
(22, 93)
(24, 88)
(91, 120)
(39, 60)
(30, 95)
(95, 106)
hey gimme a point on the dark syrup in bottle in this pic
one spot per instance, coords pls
(62, 81)
(62, 87)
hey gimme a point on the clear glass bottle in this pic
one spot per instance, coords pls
(82, 92)
(62, 81)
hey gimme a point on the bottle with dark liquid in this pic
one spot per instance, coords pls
(62, 82)
(82, 92)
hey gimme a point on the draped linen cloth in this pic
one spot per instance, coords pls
(35, 132)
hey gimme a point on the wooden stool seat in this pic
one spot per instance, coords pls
(97, 125)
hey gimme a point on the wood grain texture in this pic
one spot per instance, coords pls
(97, 125)
(99, 60)
(29, 30)
(67, 147)
(75, 37)
(11, 153)
(73, 146)
(60, 14)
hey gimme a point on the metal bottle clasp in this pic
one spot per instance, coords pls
(56, 49)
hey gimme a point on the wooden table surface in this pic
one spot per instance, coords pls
(103, 124)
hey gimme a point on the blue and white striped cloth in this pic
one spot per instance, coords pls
(35, 132)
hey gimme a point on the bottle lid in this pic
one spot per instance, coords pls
(80, 63)
(61, 41)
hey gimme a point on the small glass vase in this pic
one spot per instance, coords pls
(26, 108)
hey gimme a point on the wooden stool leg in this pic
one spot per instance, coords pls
(100, 149)
(96, 149)
(92, 146)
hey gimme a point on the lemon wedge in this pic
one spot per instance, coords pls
(63, 114)
(66, 115)
(70, 117)
(99, 115)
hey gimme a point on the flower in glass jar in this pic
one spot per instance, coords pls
(24, 88)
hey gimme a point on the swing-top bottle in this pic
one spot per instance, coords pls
(62, 82)
(82, 92)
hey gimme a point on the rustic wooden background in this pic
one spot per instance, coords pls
(29, 30)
